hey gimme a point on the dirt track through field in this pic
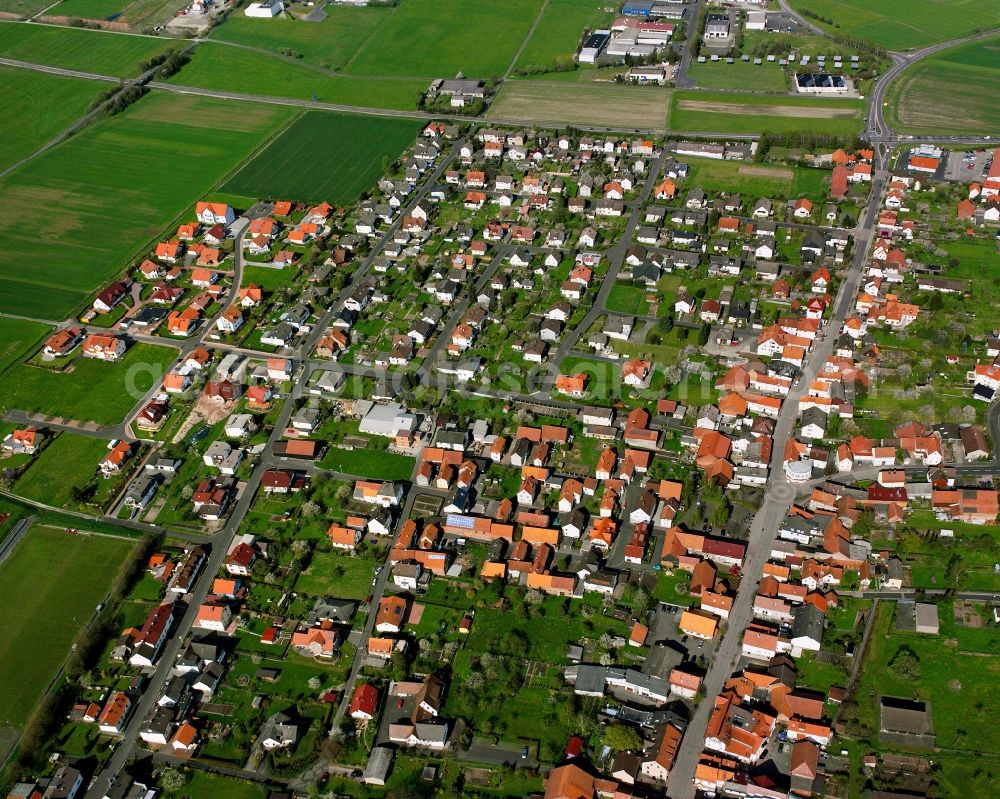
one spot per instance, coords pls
(808, 112)
(767, 172)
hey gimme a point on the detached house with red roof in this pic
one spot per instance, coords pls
(22, 442)
(364, 703)
(214, 214)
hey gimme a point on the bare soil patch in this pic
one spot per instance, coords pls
(800, 111)
(767, 172)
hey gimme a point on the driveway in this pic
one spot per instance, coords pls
(499, 755)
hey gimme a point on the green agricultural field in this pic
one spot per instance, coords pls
(111, 191)
(137, 13)
(51, 582)
(114, 54)
(559, 31)
(23, 7)
(743, 113)
(438, 38)
(902, 24)
(353, 151)
(330, 43)
(17, 338)
(91, 9)
(67, 462)
(36, 108)
(582, 103)
(89, 390)
(967, 75)
(218, 66)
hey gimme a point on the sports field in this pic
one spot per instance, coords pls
(37, 107)
(743, 113)
(104, 53)
(73, 217)
(438, 38)
(49, 588)
(902, 24)
(89, 390)
(330, 43)
(559, 31)
(533, 101)
(231, 69)
(324, 156)
(968, 76)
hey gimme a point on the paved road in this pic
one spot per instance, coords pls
(222, 540)
(615, 256)
(778, 498)
(681, 78)
(801, 20)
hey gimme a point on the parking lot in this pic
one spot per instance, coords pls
(962, 168)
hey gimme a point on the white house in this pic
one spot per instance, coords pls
(264, 10)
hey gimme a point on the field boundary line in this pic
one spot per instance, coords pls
(524, 42)
(217, 187)
(367, 40)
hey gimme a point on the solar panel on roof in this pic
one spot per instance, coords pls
(465, 522)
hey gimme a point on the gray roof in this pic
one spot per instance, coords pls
(808, 621)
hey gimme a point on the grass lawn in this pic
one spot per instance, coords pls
(102, 52)
(748, 113)
(156, 160)
(354, 151)
(958, 687)
(217, 66)
(91, 390)
(36, 108)
(51, 582)
(902, 24)
(768, 78)
(604, 379)
(758, 180)
(339, 575)
(549, 631)
(559, 30)
(964, 75)
(419, 38)
(202, 785)
(964, 563)
(627, 299)
(330, 43)
(673, 588)
(17, 339)
(70, 460)
(819, 676)
(267, 278)
(579, 103)
(369, 463)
